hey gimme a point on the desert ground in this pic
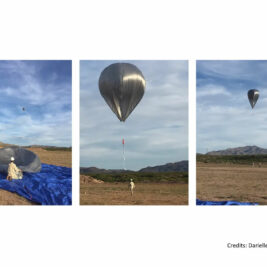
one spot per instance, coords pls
(117, 193)
(224, 182)
(59, 158)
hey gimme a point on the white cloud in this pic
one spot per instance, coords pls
(212, 90)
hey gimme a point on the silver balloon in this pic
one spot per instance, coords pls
(253, 96)
(122, 85)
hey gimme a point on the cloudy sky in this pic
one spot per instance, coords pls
(225, 118)
(155, 132)
(43, 88)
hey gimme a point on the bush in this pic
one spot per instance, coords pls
(233, 159)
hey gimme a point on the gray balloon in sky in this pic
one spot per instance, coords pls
(122, 85)
(253, 96)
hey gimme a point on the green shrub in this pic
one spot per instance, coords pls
(233, 159)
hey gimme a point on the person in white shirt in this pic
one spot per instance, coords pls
(132, 186)
(13, 171)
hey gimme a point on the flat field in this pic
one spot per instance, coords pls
(226, 181)
(145, 193)
(57, 157)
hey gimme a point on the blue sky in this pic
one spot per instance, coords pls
(155, 133)
(224, 116)
(43, 88)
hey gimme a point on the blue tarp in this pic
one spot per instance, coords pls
(219, 203)
(51, 186)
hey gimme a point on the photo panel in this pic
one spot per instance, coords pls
(36, 132)
(231, 132)
(133, 132)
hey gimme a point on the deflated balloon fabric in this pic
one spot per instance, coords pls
(51, 186)
(219, 203)
(25, 159)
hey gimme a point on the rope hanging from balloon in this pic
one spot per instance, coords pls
(123, 154)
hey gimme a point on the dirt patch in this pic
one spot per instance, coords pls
(84, 179)
(219, 182)
(7, 198)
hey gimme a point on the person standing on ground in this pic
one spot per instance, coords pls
(132, 186)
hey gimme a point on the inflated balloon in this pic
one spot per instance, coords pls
(122, 85)
(253, 96)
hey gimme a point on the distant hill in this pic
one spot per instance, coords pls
(5, 145)
(181, 166)
(246, 150)
(37, 146)
(50, 148)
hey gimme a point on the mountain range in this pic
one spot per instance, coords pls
(181, 166)
(245, 150)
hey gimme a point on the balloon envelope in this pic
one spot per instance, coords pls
(122, 85)
(25, 159)
(253, 96)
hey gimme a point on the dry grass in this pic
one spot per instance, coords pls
(144, 194)
(59, 158)
(219, 182)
